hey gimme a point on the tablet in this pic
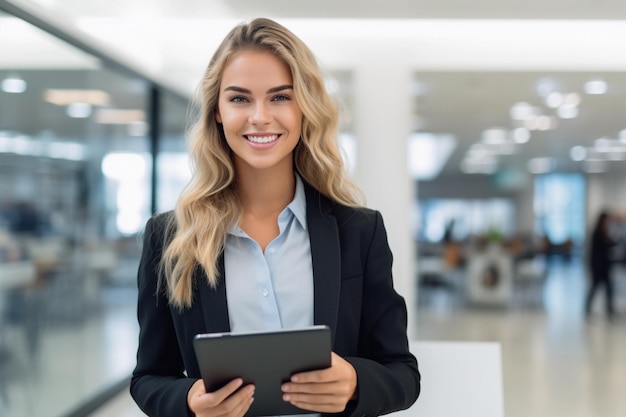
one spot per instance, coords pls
(265, 359)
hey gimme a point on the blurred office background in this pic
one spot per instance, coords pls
(490, 135)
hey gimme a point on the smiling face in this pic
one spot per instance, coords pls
(258, 112)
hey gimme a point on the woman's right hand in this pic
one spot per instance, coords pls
(223, 402)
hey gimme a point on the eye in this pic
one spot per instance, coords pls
(238, 99)
(281, 97)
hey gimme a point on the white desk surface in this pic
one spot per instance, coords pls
(459, 379)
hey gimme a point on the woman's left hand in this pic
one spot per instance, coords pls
(324, 391)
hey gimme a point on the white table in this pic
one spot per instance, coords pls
(459, 379)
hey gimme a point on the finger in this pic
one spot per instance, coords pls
(215, 398)
(312, 398)
(333, 373)
(236, 401)
(314, 388)
(239, 410)
(224, 392)
(319, 408)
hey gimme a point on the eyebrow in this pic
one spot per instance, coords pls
(270, 91)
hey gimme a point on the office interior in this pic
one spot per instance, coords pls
(489, 171)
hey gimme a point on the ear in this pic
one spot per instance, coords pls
(218, 118)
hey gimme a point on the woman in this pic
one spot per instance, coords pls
(268, 235)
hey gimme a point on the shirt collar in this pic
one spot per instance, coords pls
(298, 204)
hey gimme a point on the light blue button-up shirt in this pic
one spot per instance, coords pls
(271, 290)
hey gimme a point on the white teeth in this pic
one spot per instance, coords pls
(262, 139)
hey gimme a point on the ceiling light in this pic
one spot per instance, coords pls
(545, 123)
(546, 86)
(494, 136)
(567, 112)
(478, 150)
(596, 86)
(578, 153)
(520, 135)
(78, 110)
(522, 111)
(540, 165)
(542, 122)
(571, 100)
(13, 84)
(119, 117)
(64, 97)
(554, 100)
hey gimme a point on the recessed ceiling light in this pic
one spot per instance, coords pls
(494, 136)
(64, 97)
(554, 100)
(571, 100)
(78, 110)
(520, 135)
(596, 86)
(565, 112)
(523, 111)
(119, 116)
(545, 86)
(13, 85)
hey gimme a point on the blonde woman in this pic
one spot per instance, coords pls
(269, 234)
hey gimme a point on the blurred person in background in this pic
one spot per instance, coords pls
(600, 261)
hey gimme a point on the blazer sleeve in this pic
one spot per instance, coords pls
(387, 373)
(158, 385)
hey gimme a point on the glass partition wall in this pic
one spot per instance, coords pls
(75, 192)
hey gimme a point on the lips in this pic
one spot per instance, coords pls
(261, 138)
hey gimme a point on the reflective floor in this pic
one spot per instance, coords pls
(74, 361)
(555, 363)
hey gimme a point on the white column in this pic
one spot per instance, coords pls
(382, 120)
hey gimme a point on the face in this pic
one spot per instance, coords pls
(258, 111)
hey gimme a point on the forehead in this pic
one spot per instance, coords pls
(255, 67)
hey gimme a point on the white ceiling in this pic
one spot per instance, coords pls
(473, 59)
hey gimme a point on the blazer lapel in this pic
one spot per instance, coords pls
(326, 259)
(214, 305)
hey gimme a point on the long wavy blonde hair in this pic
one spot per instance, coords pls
(209, 204)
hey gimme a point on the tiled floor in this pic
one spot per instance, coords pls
(554, 362)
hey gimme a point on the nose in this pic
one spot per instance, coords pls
(260, 114)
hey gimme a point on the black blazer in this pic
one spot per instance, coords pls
(353, 295)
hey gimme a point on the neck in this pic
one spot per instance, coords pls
(266, 193)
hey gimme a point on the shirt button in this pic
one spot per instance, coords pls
(265, 292)
(272, 250)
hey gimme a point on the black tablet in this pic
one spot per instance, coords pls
(265, 359)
